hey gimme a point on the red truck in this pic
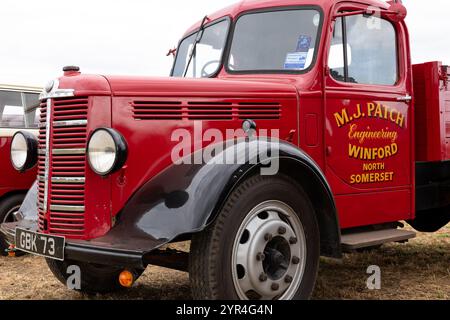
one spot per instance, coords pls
(288, 130)
(18, 111)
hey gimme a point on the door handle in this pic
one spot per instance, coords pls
(406, 98)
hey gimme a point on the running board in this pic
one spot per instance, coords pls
(354, 241)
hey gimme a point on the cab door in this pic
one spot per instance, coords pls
(369, 141)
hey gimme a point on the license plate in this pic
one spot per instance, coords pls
(40, 244)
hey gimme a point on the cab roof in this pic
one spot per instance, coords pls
(20, 88)
(246, 5)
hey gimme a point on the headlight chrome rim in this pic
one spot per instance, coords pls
(120, 148)
(31, 151)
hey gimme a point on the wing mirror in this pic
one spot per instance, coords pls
(397, 11)
(172, 52)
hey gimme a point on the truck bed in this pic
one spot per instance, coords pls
(432, 111)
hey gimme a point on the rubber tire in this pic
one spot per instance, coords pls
(211, 250)
(5, 206)
(94, 278)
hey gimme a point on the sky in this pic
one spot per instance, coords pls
(132, 37)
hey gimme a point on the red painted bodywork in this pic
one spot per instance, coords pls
(308, 105)
(11, 181)
(432, 93)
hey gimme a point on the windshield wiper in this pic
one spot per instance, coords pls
(198, 38)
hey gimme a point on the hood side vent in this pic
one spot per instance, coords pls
(205, 110)
(157, 110)
(259, 110)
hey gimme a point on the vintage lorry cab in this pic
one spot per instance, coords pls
(289, 129)
(18, 112)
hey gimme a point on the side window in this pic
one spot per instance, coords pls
(32, 110)
(19, 110)
(369, 55)
(11, 110)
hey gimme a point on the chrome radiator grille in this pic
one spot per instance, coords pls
(61, 196)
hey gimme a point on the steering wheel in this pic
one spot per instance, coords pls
(203, 72)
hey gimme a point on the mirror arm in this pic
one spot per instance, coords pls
(366, 13)
(352, 13)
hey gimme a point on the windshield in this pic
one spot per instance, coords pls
(283, 40)
(208, 54)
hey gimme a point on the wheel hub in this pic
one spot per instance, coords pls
(10, 216)
(264, 251)
(278, 255)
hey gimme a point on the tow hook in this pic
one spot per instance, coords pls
(11, 251)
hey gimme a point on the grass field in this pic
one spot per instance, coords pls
(419, 269)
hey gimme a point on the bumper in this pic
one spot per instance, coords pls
(104, 250)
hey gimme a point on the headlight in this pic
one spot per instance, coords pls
(107, 151)
(24, 147)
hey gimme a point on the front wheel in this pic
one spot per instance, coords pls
(8, 208)
(94, 278)
(264, 245)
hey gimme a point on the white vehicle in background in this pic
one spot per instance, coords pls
(19, 111)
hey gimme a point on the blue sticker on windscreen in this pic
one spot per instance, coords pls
(295, 61)
(303, 44)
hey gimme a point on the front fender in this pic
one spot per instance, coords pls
(185, 198)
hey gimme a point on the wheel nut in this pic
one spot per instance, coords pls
(293, 240)
(295, 260)
(268, 237)
(281, 230)
(263, 277)
(275, 286)
(288, 279)
(260, 256)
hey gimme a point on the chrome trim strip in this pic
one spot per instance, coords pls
(61, 152)
(67, 208)
(41, 152)
(69, 123)
(41, 179)
(59, 93)
(77, 180)
(56, 93)
(47, 153)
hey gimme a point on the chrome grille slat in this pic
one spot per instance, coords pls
(68, 151)
(69, 180)
(69, 123)
(64, 208)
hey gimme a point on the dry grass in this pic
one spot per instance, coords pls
(417, 270)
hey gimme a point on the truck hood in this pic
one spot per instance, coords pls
(153, 86)
(97, 85)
